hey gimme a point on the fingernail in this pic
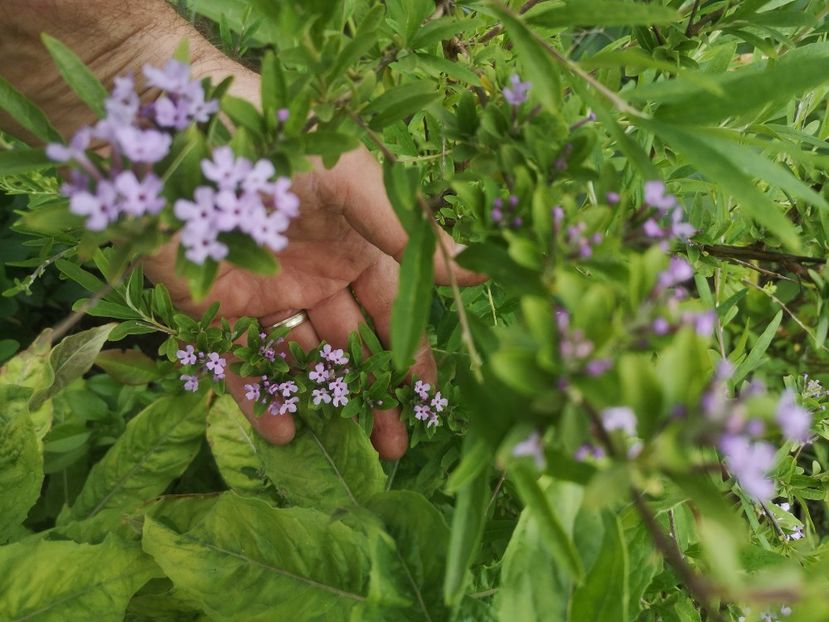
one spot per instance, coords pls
(459, 248)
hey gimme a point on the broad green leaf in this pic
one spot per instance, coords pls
(244, 114)
(21, 461)
(156, 447)
(31, 369)
(400, 102)
(26, 113)
(231, 439)
(329, 145)
(743, 92)
(72, 358)
(244, 252)
(414, 296)
(552, 531)
(418, 560)
(603, 597)
(327, 468)
(755, 357)
(249, 561)
(77, 75)
(600, 13)
(61, 581)
(130, 367)
(20, 161)
(539, 67)
(467, 529)
(720, 169)
(534, 585)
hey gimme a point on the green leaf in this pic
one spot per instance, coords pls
(331, 467)
(21, 461)
(244, 252)
(20, 161)
(603, 597)
(72, 358)
(291, 563)
(400, 102)
(539, 67)
(401, 187)
(130, 367)
(362, 42)
(756, 356)
(244, 114)
(720, 169)
(231, 439)
(26, 113)
(414, 296)
(77, 75)
(746, 90)
(156, 447)
(553, 534)
(31, 369)
(330, 145)
(35, 584)
(600, 13)
(82, 277)
(467, 529)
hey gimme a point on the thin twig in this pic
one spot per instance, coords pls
(691, 18)
(497, 30)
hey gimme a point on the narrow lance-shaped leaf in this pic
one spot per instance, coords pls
(601, 13)
(77, 75)
(35, 583)
(247, 560)
(20, 161)
(156, 447)
(26, 113)
(755, 357)
(411, 307)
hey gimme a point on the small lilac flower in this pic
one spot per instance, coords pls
(200, 212)
(191, 383)
(797, 534)
(282, 115)
(340, 400)
(258, 178)
(516, 94)
(612, 198)
(749, 462)
(123, 104)
(660, 326)
(678, 271)
(558, 216)
(216, 364)
(679, 228)
(496, 214)
(100, 209)
(597, 367)
(319, 374)
(288, 388)
(201, 244)
(703, 322)
(225, 168)
(320, 395)
(187, 356)
(338, 387)
(433, 421)
(656, 196)
(619, 418)
(794, 420)
(148, 146)
(139, 197)
(252, 392)
(173, 77)
(422, 412)
(588, 451)
(439, 403)
(533, 447)
(284, 200)
(651, 229)
(289, 406)
(75, 150)
(422, 389)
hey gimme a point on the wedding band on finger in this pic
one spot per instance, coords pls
(291, 322)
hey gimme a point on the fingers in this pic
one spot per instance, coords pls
(376, 289)
(334, 320)
(357, 182)
(276, 429)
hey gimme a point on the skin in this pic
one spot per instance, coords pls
(345, 246)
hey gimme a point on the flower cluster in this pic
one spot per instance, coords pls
(665, 220)
(504, 215)
(747, 455)
(671, 282)
(279, 398)
(428, 406)
(768, 615)
(576, 350)
(797, 532)
(516, 94)
(268, 348)
(136, 137)
(329, 376)
(245, 197)
(199, 364)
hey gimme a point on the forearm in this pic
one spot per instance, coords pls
(112, 36)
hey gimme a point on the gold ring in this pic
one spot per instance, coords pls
(291, 322)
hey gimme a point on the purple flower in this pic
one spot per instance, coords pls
(749, 462)
(516, 94)
(335, 356)
(191, 383)
(319, 374)
(439, 403)
(533, 447)
(284, 200)
(612, 198)
(558, 216)
(660, 326)
(338, 387)
(597, 367)
(433, 421)
(123, 104)
(216, 364)
(619, 418)
(656, 196)
(678, 271)
(148, 146)
(139, 197)
(703, 322)
(173, 77)
(680, 229)
(282, 115)
(340, 400)
(794, 420)
(422, 389)
(258, 178)
(651, 229)
(320, 395)
(187, 356)
(588, 451)
(201, 244)
(75, 150)
(289, 406)
(288, 388)
(199, 213)
(422, 412)
(252, 392)
(225, 169)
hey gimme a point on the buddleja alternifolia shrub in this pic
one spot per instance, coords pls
(630, 418)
